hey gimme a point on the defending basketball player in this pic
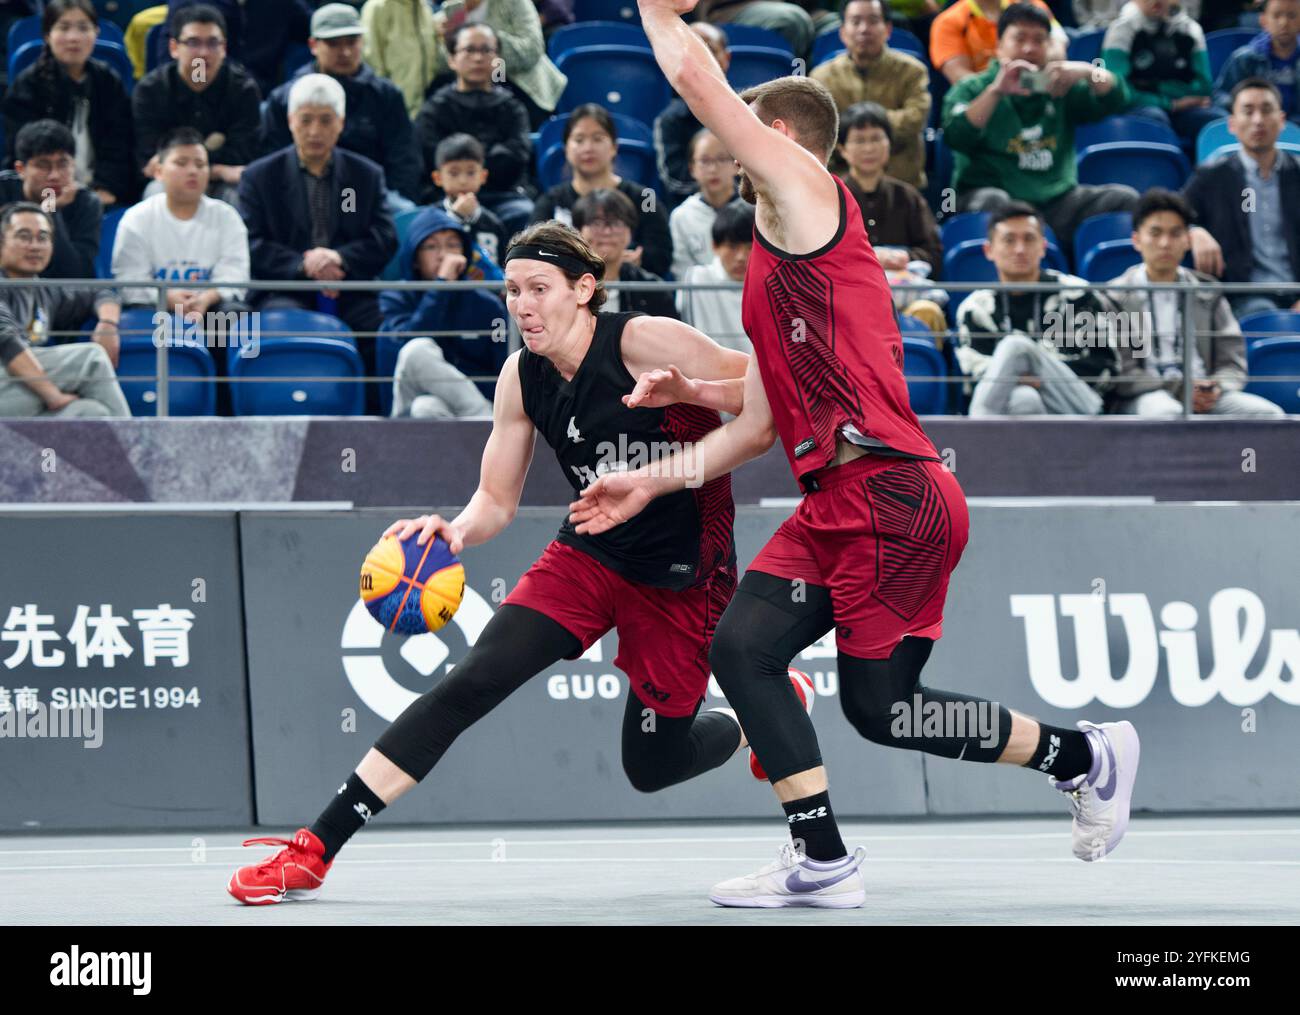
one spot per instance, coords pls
(662, 580)
(882, 524)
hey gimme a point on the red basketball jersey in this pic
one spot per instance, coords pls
(828, 347)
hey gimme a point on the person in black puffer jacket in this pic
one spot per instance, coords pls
(84, 94)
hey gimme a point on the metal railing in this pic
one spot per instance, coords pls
(163, 379)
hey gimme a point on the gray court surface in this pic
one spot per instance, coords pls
(1178, 870)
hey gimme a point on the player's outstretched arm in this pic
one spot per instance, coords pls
(698, 370)
(506, 457)
(797, 183)
(618, 496)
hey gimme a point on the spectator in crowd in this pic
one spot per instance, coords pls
(401, 45)
(691, 222)
(1011, 128)
(790, 20)
(200, 88)
(474, 104)
(607, 219)
(1272, 55)
(1249, 201)
(459, 175)
(1152, 378)
(271, 27)
(377, 127)
(44, 171)
(11, 11)
(899, 224)
(590, 142)
(86, 95)
(554, 14)
(315, 210)
(1160, 53)
(69, 379)
(869, 71)
(676, 126)
(1015, 344)
(430, 379)
(716, 312)
(529, 71)
(1092, 14)
(967, 35)
(181, 235)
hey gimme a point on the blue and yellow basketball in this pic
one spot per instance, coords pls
(409, 588)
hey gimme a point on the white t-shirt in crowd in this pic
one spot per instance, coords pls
(151, 242)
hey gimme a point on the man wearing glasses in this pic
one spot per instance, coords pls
(203, 90)
(45, 172)
(377, 126)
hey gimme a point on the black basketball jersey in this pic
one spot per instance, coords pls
(679, 539)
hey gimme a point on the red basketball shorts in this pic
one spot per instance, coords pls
(883, 535)
(663, 635)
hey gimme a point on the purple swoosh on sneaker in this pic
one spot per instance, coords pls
(1107, 791)
(795, 883)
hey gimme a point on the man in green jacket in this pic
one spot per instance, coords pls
(1011, 128)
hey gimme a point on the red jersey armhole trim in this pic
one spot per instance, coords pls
(776, 251)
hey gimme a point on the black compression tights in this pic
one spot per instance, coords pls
(516, 644)
(763, 629)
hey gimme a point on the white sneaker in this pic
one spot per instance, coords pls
(1101, 797)
(793, 880)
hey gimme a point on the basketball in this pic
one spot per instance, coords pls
(412, 589)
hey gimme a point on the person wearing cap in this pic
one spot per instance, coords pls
(377, 127)
(315, 210)
(200, 88)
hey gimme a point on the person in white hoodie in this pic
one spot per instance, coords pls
(716, 312)
(714, 170)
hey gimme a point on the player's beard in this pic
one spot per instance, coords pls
(747, 192)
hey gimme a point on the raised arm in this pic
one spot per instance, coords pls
(803, 192)
(506, 457)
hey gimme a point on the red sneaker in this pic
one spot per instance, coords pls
(296, 872)
(803, 686)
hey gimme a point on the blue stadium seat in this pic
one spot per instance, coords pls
(290, 322)
(914, 327)
(28, 29)
(1215, 140)
(107, 234)
(905, 42)
(1109, 259)
(112, 53)
(923, 366)
(191, 389)
(596, 33)
(1264, 325)
(336, 390)
(623, 79)
(118, 13)
(1219, 46)
(967, 225)
(1137, 129)
(825, 47)
(751, 35)
(402, 221)
(1086, 46)
(606, 10)
(752, 65)
(1142, 166)
(1111, 225)
(1275, 357)
(552, 132)
(965, 262)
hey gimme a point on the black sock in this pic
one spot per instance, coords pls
(812, 822)
(353, 805)
(1061, 753)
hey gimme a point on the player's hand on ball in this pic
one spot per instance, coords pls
(427, 526)
(611, 500)
(658, 388)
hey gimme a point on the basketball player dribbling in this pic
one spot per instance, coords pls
(662, 580)
(882, 524)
